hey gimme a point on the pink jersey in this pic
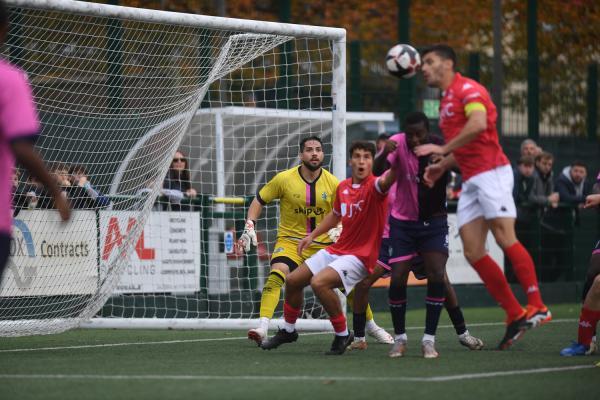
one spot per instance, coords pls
(484, 152)
(363, 209)
(391, 200)
(405, 205)
(18, 119)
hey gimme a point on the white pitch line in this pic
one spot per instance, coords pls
(446, 378)
(92, 346)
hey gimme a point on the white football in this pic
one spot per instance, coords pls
(403, 61)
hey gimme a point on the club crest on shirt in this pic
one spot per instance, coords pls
(324, 196)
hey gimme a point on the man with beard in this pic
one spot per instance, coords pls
(468, 123)
(306, 194)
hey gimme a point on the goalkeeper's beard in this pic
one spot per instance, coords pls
(311, 167)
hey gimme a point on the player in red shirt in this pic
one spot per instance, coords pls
(468, 123)
(361, 206)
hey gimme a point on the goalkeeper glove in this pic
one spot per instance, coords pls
(248, 236)
(334, 233)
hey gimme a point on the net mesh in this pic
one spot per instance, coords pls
(119, 100)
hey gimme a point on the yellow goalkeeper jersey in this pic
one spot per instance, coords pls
(302, 205)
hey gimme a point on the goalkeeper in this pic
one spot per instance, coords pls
(306, 195)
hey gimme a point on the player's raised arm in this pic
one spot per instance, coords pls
(330, 221)
(249, 234)
(380, 163)
(433, 172)
(387, 180)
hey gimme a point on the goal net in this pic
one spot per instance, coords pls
(125, 96)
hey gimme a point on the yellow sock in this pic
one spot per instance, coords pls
(271, 293)
(350, 302)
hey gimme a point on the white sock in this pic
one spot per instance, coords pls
(401, 338)
(359, 339)
(264, 324)
(289, 327)
(464, 334)
(371, 325)
(344, 333)
(428, 338)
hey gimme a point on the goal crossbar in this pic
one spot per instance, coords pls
(174, 18)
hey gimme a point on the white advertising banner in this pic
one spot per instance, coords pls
(51, 258)
(166, 257)
(459, 270)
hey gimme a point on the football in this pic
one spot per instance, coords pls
(403, 61)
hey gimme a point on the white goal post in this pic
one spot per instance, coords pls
(119, 90)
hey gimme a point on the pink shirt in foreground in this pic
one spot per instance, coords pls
(18, 119)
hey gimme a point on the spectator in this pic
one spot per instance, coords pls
(177, 184)
(571, 184)
(82, 193)
(523, 177)
(20, 198)
(530, 148)
(60, 171)
(542, 192)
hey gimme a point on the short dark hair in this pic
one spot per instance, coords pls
(578, 163)
(544, 155)
(362, 145)
(415, 118)
(526, 160)
(443, 50)
(306, 139)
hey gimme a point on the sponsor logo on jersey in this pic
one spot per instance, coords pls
(309, 210)
(350, 209)
(278, 250)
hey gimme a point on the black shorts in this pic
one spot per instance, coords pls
(385, 253)
(409, 238)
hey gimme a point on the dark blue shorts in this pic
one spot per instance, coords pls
(385, 253)
(414, 237)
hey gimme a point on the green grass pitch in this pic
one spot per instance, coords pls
(129, 364)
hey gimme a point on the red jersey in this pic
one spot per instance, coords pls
(363, 209)
(484, 152)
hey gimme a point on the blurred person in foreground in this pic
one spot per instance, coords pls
(19, 127)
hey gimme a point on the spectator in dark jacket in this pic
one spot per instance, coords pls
(523, 176)
(81, 192)
(542, 192)
(571, 184)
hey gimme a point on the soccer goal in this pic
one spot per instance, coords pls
(119, 90)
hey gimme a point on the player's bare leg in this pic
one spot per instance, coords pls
(473, 235)
(269, 300)
(323, 284)
(294, 286)
(503, 230)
